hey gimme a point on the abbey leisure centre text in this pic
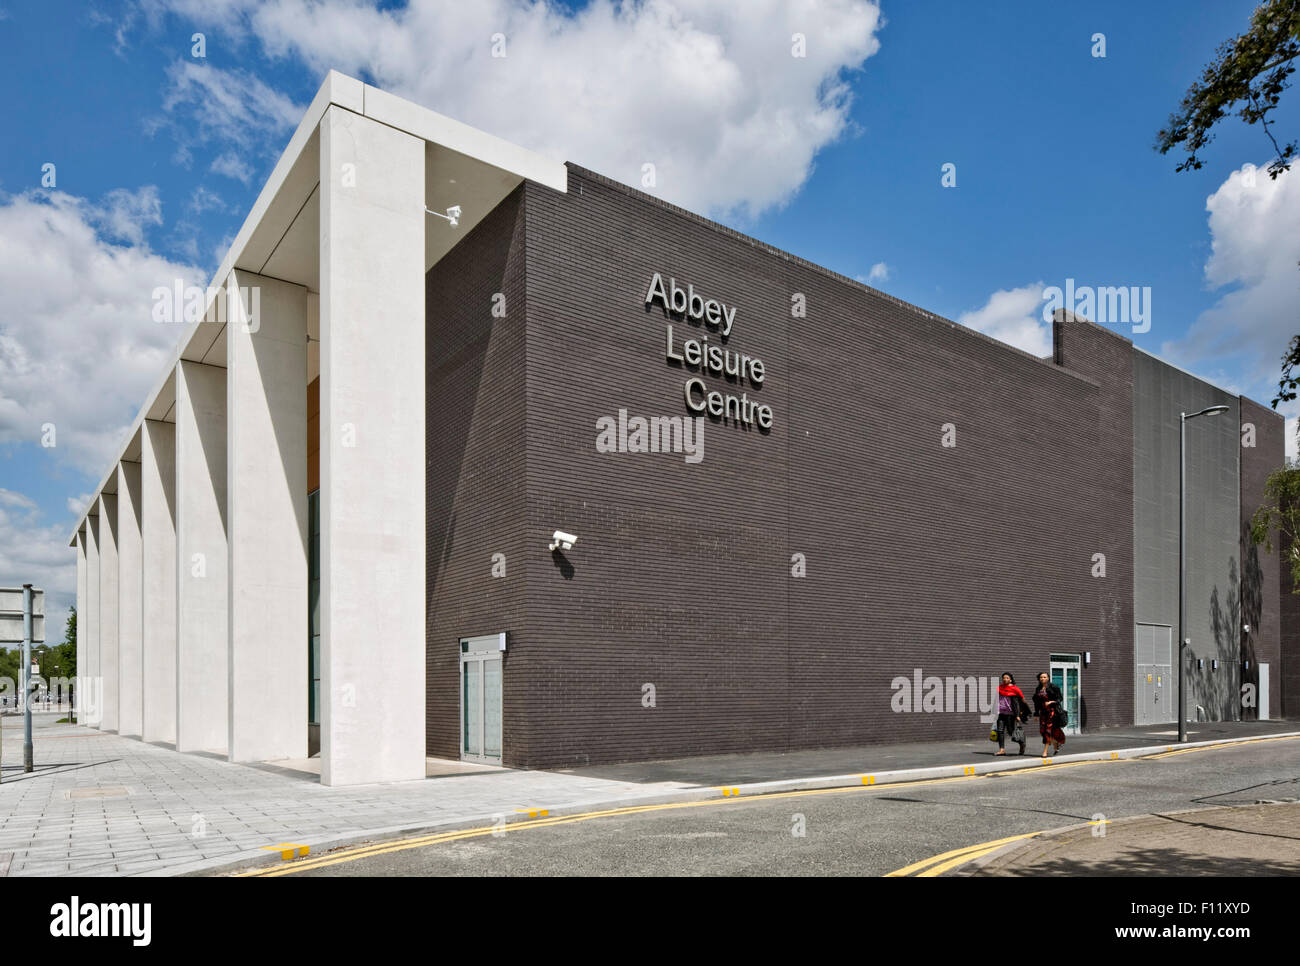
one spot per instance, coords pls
(710, 358)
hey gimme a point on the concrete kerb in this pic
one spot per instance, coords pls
(253, 858)
(259, 857)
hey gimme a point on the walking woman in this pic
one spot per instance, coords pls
(1047, 699)
(1012, 709)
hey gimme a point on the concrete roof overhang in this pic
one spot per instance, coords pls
(280, 238)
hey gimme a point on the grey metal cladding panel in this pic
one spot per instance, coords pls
(1264, 595)
(1160, 393)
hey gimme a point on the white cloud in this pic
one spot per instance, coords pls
(1014, 316)
(77, 504)
(202, 199)
(707, 92)
(1254, 253)
(229, 105)
(126, 215)
(231, 165)
(879, 273)
(78, 348)
(12, 500)
(35, 552)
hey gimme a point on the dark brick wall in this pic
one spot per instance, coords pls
(959, 561)
(476, 453)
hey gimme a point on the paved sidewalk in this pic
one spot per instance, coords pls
(775, 766)
(100, 804)
(1250, 840)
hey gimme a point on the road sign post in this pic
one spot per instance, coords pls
(27, 677)
(28, 607)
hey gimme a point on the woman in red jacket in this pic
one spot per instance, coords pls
(1012, 709)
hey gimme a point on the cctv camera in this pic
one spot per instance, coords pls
(562, 541)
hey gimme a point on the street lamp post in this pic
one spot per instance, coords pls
(1182, 558)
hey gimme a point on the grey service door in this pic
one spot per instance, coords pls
(480, 699)
(1155, 692)
(1262, 697)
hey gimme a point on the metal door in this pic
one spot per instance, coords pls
(1155, 692)
(1065, 671)
(480, 699)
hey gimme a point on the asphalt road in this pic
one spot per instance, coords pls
(857, 831)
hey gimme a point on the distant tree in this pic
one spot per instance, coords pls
(10, 659)
(1280, 514)
(1290, 381)
(1252, 71)
(67, 651)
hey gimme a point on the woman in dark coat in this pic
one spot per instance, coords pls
(1012, 709)
(1046, 700)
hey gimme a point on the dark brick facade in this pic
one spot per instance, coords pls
(475, 449)
(962, 560)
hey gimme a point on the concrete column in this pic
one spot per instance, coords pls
(158, 565)
(81, 602)
(89, 685)
(372, 451)
(108, 640)
(130, 681)
(266, 399)
(201, 566)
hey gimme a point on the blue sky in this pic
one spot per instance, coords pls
(835, 157)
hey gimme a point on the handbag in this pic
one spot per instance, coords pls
(1018, 736)
(1062, 717)
(993, 735)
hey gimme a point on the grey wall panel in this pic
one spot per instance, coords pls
(1160, 393)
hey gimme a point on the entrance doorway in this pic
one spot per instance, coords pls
(1065, 670)
(1155, 692)
(480, 699)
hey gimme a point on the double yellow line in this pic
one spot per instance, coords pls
(939, 864)
(402, 845)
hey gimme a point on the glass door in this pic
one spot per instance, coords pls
(480, 699)
(1065, 670)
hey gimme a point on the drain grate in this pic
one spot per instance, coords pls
(115, 791)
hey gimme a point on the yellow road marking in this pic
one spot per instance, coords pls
(968, 854)
(731, 794)
(287, 850)
(1171, 751)
(953, 863)
(915, 866)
